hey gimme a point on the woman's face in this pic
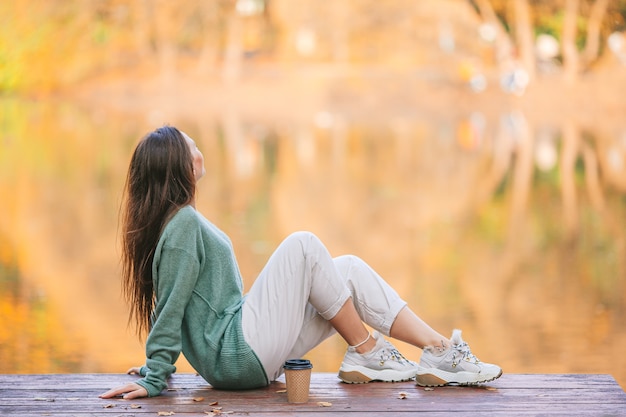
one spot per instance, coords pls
(196, 155)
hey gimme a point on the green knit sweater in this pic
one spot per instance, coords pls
(199, 296)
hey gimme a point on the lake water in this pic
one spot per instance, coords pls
(512, 232)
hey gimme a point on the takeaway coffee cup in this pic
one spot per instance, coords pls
(298, 377)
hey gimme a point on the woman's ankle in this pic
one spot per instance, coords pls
(366, 346)
(439, 347)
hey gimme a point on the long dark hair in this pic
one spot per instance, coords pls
(160, 181)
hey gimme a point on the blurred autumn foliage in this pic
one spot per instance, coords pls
(31, 342)
(50, 44)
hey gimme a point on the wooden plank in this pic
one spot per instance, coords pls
(188, 380)
(319, 381)
(57, 395)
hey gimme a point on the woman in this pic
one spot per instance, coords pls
(184, 287)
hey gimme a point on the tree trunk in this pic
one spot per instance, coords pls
(569, 155)
(592, 46)
(209, 52)
(168, 18)
(524, 36)
(233, 56)
(504, 44)
(570, 52)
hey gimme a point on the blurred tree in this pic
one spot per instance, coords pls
(233, 53)
(503, 43)
(594, 31)
(524, 35)
(580, 26)
(209, 32)
(568, 40)
(46, 44)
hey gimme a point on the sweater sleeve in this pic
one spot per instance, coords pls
(176, 273)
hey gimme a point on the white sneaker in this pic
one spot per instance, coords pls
(383, 363)
(455, 365)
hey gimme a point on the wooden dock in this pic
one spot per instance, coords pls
(189, 395)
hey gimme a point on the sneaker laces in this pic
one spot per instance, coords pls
(466, 354)
(391, 353)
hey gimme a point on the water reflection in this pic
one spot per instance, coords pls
(511, 231)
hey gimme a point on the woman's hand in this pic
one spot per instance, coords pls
(135, 370)
(128, 392)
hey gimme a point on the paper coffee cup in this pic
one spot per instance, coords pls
(298, 378)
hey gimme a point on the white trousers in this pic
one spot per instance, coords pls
(286, 312)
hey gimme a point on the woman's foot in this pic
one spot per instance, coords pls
(382, 363)
(454, 365)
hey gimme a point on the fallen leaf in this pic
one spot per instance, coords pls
(324, 404)
(165, 413)
(429, 389)
(135, 406)
(402, 395)
(280, 391)
(198, 399)
(491, 389)
(109, 406)
(214, 403)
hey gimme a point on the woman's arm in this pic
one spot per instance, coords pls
(175, 270)
(176, 276)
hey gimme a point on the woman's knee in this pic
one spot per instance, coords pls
(357, 273)
(302, 235)
(304, 240)
(345, 263)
